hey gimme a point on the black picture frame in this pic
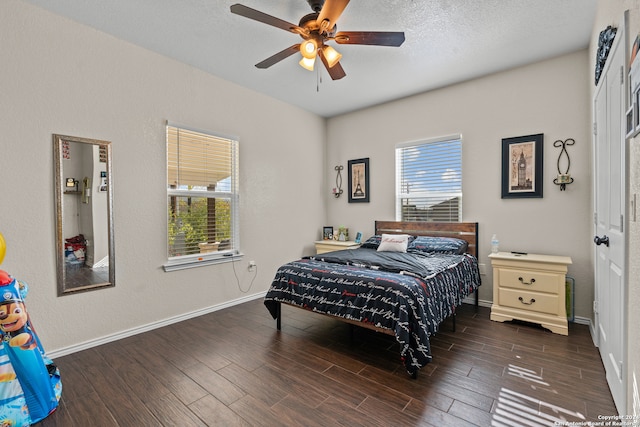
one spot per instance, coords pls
(522, 166)
(359, 190)
(327, 233)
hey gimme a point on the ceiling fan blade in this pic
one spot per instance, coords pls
(336, 72)
(378, 38)
(279, 56)
(331, 11)
(256, 15)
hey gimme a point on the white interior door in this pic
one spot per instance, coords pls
(609, 193)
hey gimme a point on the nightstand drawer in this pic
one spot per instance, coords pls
(529, 301)
(529, 280)
(324, 246)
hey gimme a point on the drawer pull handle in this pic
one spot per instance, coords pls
(531, 301)
(527, 283)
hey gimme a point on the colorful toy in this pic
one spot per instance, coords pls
(30, 386)
(3, 247)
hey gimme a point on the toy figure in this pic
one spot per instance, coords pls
(30, 386)
(13, 320)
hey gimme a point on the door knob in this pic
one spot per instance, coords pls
(601, 240)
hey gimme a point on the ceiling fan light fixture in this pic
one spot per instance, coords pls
(307, 63)
(331, 55)
(308, 48)
(315, 29)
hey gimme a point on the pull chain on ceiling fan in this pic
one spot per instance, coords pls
(316, 29)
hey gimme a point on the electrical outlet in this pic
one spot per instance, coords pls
(483, 269)
(251, 266)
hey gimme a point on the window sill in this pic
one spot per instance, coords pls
(183, 263)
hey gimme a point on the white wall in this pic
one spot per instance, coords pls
(610, 12)
(550, 97)
(61, 77)
(99, 248)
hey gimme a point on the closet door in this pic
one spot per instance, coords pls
(609, 200)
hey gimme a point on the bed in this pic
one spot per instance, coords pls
(403, 281)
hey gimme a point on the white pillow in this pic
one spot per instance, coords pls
(393, 243)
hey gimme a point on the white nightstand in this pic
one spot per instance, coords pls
(323, 246)
(531, 288)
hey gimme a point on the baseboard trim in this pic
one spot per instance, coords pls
(582, 321)
(150, 326)
(472, 300)
(186, 316)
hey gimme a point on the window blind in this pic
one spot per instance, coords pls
(429, 180)
(202, 193)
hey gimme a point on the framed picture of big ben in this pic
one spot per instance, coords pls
(522, 166)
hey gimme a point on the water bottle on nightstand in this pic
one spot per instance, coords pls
(494, 244)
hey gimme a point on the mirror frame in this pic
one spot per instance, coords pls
(60, 182)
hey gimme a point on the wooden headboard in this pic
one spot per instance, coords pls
(460, 230)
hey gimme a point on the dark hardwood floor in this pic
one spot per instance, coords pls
(83, 276)
(233, 368)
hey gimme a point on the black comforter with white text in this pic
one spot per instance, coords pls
(407, 293)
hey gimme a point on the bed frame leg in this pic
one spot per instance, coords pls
(279, 316)
(454, 321)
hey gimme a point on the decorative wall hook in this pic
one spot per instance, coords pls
(337, 190)
(563, 178)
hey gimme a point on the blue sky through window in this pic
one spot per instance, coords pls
(430, 173)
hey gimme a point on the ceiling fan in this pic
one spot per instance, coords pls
(316, 29)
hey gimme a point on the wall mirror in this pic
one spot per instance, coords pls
(84, 223)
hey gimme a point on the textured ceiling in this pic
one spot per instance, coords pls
(447, 41)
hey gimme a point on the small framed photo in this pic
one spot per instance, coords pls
(522, 166)
(358, 237)
(327, 233)
(359, 180)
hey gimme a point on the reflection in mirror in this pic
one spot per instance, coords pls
(85, 244)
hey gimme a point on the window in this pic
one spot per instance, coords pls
(429, 180)
(202, 198)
